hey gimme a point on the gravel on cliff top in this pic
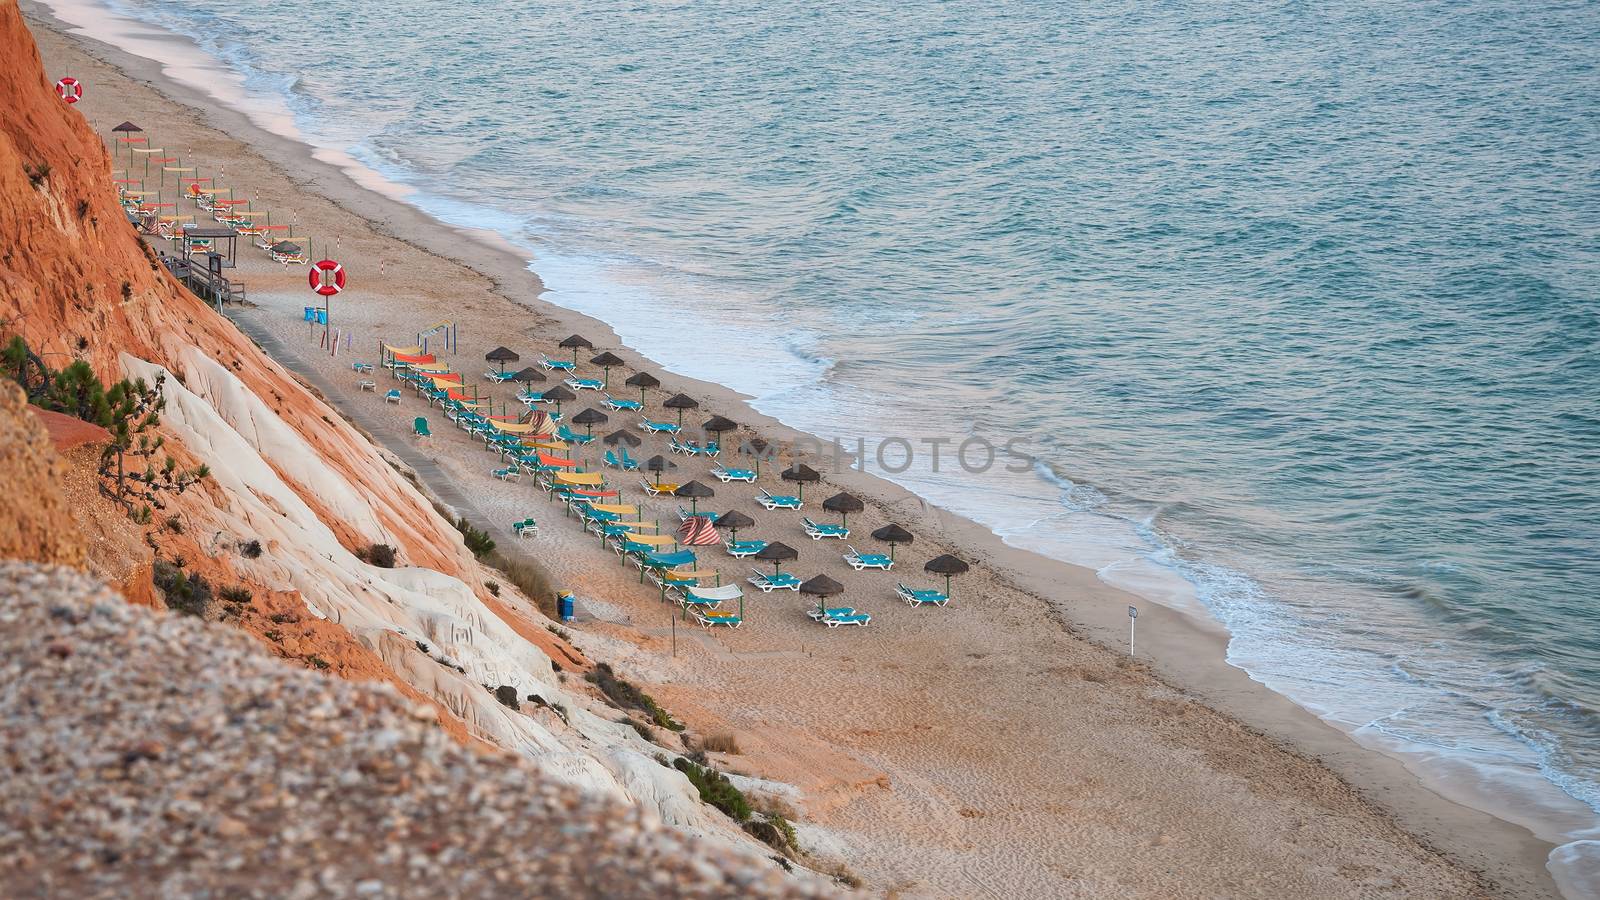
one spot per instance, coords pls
(148, 754)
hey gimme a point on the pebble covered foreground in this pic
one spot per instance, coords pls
(148, 754)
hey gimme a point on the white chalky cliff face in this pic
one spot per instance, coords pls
(262, 466)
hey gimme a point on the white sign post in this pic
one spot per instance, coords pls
(1133, 617)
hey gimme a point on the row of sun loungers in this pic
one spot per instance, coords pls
(672, 570)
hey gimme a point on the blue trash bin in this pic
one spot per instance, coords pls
(564, 607)
(311, 313)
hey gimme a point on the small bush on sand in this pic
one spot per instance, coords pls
(529, 578)
(720, 742)
(184, 593)
(477, 540)
(493, 586)
(775, 832)
(715, 789)
(627, 696)
(238, 594)
(380, 555)
(507, 695)
(250, 549)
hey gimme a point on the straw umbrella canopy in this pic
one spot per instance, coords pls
(125, 128)
(623, 436)
(801, 474)
(531, 373)
(502, 356)
(776, 552)
(947, 566)
(844, 505)
(718, 424)
(754, 448)
(589, 418)
(558, 395)
(892, 534)
(642, 380)
(733, 520)
(695, 491)
(659, 464)
(681, 402)
(820, 587)
(607, 361)
(575, 341)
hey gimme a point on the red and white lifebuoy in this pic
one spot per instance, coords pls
(330, 284)
(69, 89)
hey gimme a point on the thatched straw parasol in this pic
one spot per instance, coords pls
(801, 474)
(733, 520)
(623, 436)
(892, 534)
(777, 552)
(558, 395)
(502, 356)
(642, 380)
(589, 418)
(607, 361)
(844, 505)
(947, 566)
(681, 402)
(820, 587)
(575, 341)
(659, 464)
(696, 492)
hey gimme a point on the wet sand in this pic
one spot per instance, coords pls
(1003, 744)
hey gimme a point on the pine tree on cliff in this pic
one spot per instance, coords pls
(128, 409)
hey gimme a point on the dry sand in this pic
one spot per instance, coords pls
(989, 748)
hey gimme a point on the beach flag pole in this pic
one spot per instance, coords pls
(1133, 617)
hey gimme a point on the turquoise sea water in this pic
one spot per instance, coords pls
(1295, 303)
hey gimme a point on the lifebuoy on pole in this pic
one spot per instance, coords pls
(327, 277)
(69, 89)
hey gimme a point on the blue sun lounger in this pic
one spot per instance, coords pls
(684, 515)
(572, 437)
(859, 560)
(777, 501)
(616, 405)
(818, 532)
(629, 464)
(820, 614)
(558, 365)
(741, 549)
(726, 475)
(585, 384)
(850, 619)
(709, 619)
(658, 427)
(622, 462)
(780, 581)
(917, 597)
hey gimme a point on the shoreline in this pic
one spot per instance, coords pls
(1480, 840)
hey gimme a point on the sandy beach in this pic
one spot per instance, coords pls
(1005, 744)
